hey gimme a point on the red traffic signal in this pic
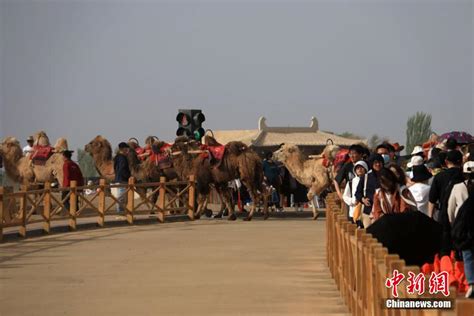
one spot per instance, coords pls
(183, 119)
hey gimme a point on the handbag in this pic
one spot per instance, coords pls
(357, 211)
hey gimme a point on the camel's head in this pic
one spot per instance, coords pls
(286, 152)
(10, 146)
(99, 146)
(40, 138)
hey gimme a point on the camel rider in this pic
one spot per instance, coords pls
(28, 149)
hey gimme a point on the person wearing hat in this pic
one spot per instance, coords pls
(71, 172)
(367, 186)
(420, 189)
(360, 169)
(28, 149)
(122, 173)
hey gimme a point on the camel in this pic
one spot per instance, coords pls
(238, 162)
(187, 164)
(101, 151)
(149, 171)
(20, 168)
(311, 173)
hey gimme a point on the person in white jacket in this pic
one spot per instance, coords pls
(360, 169)
(420, 189)
(460, 191)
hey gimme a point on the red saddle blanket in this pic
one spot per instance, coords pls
(41, 153)
(161, 159)
(217, 152)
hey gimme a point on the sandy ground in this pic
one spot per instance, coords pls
(205, 267)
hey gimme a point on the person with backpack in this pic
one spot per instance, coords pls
(360, 169)
(420, 189)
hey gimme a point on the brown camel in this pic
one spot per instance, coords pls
(238, 162)
(148, 170)
(20, 168)
(311, 173)
(101, 151)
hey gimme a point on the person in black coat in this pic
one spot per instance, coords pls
(122, 173)
(366, 189)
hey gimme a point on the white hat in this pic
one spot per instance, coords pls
(361, 163)
(468, 167)
(417, 150)
(415, 161)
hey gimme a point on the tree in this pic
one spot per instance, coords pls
(376, 140)
(86, 164)
(350, 135)
(418, 130)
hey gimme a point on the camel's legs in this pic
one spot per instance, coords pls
(256, 198)
(311, 197)
(223, 204)
(228, 202)
(201, 203)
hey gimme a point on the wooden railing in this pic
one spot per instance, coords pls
(27, 207)
(360, 266)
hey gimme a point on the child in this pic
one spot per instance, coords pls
(360, 169)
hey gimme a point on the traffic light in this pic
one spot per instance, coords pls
(190, 122)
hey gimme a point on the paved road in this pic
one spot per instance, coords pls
(206, 267)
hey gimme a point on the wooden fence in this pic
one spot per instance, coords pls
(360, 266)
(26, 207)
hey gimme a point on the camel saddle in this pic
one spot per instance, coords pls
(139, 151)
(341, 158)
(161, 158)
(41, 154)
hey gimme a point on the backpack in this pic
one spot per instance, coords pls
(461, 230)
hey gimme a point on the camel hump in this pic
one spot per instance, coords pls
(211, 141)
(41, 139)
(236, 148)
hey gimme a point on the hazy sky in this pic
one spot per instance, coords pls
(123, 68)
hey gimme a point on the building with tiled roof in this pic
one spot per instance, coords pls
(267, 138)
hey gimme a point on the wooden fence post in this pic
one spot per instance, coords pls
(192, 197)
(101, 206)
(131, 199)
(23, 200)
(73, 206)
(47, 208)
(161, 201)
(2, 210)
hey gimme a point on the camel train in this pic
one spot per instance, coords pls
(212, 164)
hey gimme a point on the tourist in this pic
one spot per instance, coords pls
(368, 186)
(346, 173)
(122, 174)
(439, 194)
(388, 200)
(360, 169)
(71, 172)
(420, 189)
(460, 191)
(383, 150)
